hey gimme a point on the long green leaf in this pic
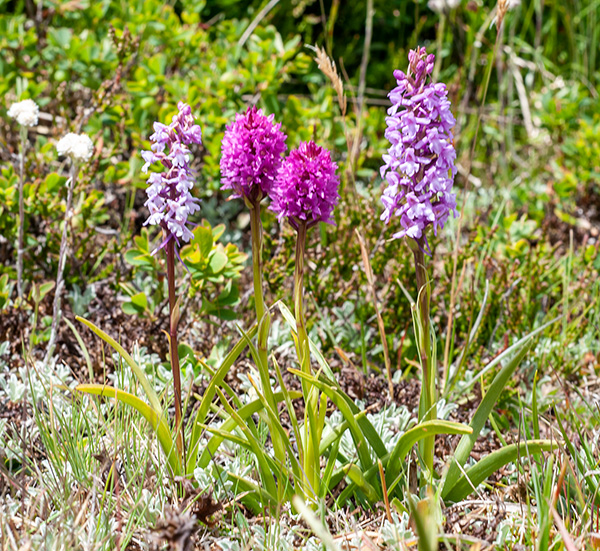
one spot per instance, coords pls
(314, 349)
(251, 489)
(393, 460)
(267, 476)
(463, 450)
(207, 399)
(360, 441)
(514, 348)
(491, 463)
(139, 373)
(414, 435)
(230, 423)
(157, 422)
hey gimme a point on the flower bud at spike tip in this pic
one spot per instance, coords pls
(251, 155)
(169, 199)
(307, 186)
(419, 165)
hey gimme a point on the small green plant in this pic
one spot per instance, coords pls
(213, 269)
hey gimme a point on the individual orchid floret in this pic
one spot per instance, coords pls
(251, 154)
(25, 112)
(78, 147)
(419, 165)
(307, 186)
(169, 199)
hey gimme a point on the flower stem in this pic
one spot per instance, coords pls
(263, 320)
(302, 344)
(173, 322)
(62, 256)
(311, 436)
(427, 407)
(21, 238)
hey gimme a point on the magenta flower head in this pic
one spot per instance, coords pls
(307, 186)
(419, 165)
(169, 199)
(251, 155)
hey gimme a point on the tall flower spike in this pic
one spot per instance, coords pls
(419, 165)
(169, 199)
(307, 186)
(251, 155)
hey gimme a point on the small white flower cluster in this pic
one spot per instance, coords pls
(77, 146)
(25, 112)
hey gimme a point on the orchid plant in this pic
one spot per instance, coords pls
(419, 169)
(303, 189)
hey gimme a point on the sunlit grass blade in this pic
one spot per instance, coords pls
(257, 498)
(362, 447)
(394, 460)
(139, 373)
(156, 419)
(314, 349)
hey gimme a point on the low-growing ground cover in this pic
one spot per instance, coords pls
(299, 275)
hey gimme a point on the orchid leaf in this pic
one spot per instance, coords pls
(479, 472)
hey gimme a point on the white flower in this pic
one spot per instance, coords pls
(439, 6)
(25, 112)
(77, 146)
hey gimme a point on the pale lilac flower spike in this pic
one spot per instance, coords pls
(419, 165)
(307, 186)
(169, 199)
(251, 154)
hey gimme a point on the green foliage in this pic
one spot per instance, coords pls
(213, 268)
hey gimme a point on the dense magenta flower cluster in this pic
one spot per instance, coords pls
(419, 166)
(251, 154)
(169, 199)
(307, 186)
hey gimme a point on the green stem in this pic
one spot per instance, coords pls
(439, 46)
(427, 408)
(62, 256)
(263, 321)
(256, 230)
(302, 343)
(310, 439)
(21, 213)
(173, 345)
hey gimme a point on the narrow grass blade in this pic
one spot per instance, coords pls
(83, 347)
(267, 476)
(315, 524)
(360, 441)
